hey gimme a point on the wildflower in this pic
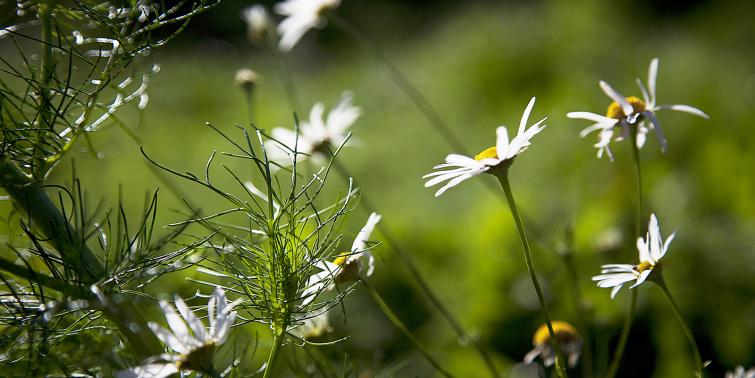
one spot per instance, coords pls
(195, 346)
(740, 372)
(301, 15)
(569, 341)
(246, 79)
(314, 326)
(258, 23)
(348, 267)
(316, 136)
(651, 250)
(492, 160)
(624, 112)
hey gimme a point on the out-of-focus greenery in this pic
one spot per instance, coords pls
(478, 64)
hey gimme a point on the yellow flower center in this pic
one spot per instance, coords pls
(488, 153)
(340, 259)
(614, 110)
(645, 265)
(199, 359)
(563, 331)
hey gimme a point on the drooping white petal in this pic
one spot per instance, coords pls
(615, 290)
(643, 276)
(658, 131)
(616, 96)
(456, 181)
(667, 243)
(168, 338)
(590, 117)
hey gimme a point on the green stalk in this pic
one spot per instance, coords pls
(274, 352)
(44, 80)
(401, 327)
(416, 274)
(30, 196)
(503, 178)
(402, 82)
(687, 333)
(626, 327)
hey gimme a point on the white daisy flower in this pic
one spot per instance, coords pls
(316, 135)
(348, 267)
(740, 372)
(651, 250)
(258, 22)
(313, 326)
(569, 341)
(626, 111)
(490, 160)
(193, 345)
(301, 15)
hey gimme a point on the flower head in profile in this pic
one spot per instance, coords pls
(740, 372)
(569, 341)
(192, 345)
(651, 250)
(301, 15)
(347, 267)
(316, 136)
(625, 112)
(458, 168)
(258, 23)
(313, 326)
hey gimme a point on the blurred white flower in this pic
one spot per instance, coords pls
(499, 156)
(740, 372)
(315, 136)
(651, 250)
(626, 111)
(194, 345)
(569, 341)
(348, 267)
(313, 326)
(301, 15)
(258, 23)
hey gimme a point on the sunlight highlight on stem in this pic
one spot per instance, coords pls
(504, 180)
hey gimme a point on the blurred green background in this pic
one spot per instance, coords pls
(479, 63)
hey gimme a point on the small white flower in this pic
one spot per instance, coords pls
(258, 22)
(626, 111)
(740, 372)
(351, 266)
(313, 326)
(315, 136)
(301, 15)
(501, 155)
(193, 345)
(651, 250)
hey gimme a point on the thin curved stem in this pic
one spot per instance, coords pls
(402, 82)
(687, 333)
(274, 352)
(504, 180)
(401, 327)
(409, 262)
(626, 327)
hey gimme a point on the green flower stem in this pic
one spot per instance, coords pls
(45, 78)
(417, 275)
(503, 178)
(401, 327)
(402, 82)
(278, 337)
(626, 327)
(30, 196)
(698, 360)
(583, 315)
